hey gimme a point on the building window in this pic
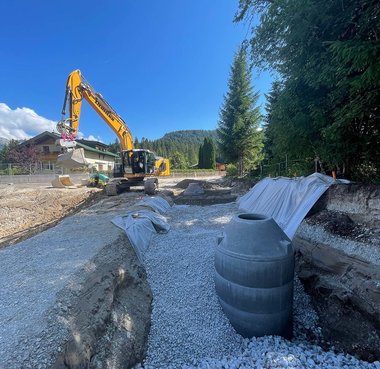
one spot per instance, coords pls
(45, 149)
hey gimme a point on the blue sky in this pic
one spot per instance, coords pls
(162, 64)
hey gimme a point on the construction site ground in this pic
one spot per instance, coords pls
(27, 209)
(63, 240)
(85, 259)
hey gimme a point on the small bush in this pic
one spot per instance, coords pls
(231, 170)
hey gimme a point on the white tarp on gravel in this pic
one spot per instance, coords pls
(141, 224)
(286, 200)
(157, 204)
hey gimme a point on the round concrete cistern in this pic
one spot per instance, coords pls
(254, 272)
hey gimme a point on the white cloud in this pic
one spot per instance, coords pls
(81, 136)
(22, 123)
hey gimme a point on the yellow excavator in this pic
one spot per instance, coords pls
(137, 166)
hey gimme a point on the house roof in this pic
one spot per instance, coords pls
(36, 139)
(88, 148)
(93, 144)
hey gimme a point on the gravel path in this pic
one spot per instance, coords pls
(189, 329)
(34, 271)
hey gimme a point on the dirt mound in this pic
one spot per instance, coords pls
(239, 186)
(337, 223)
(185, 183)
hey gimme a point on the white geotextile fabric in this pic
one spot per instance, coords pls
(140, 225)
(158, 204)
(286, 200)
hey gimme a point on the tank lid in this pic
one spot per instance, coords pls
(256, 236)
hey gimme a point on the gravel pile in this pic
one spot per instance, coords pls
(189, 329)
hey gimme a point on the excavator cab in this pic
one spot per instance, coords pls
(139, 161)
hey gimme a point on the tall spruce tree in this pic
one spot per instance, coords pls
(327, 54)
(240, 141)
(207, 154)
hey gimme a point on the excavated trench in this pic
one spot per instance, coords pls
(107, 312)
(338, 260)
(108, 308)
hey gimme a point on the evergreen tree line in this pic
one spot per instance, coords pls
(324, 107)
(180, 147)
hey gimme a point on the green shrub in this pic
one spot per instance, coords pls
(231, 170)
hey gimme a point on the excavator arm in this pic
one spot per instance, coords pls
(77, 89)
(137, 167)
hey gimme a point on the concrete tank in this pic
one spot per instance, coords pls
(254, 271)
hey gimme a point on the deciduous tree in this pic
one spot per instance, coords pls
(25, 156)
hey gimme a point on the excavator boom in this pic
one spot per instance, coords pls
(77, 89)
(136, 164)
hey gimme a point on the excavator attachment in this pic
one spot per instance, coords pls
(62, 182)
(72, 159)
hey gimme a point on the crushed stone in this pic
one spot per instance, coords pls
(351, 247)
(189, 329)
(33, 272)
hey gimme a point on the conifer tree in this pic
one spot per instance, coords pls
(326, 54)
(207, 154)
(200, 157)
(212, 154)
(240, 141)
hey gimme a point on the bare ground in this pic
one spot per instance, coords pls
(27, 209)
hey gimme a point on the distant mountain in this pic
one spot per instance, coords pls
(3, 142)
(183, 143)
(193, 136)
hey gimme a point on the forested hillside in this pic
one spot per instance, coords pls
(181, 147)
